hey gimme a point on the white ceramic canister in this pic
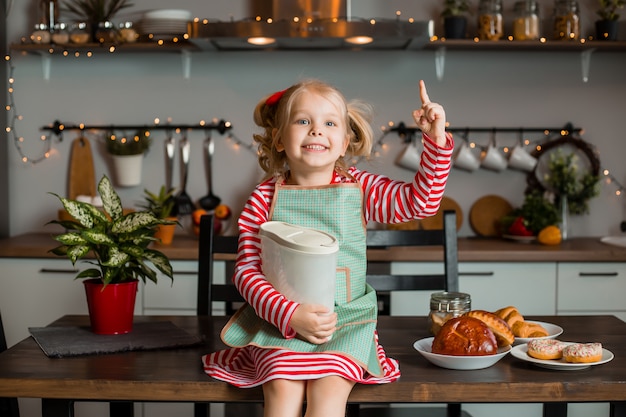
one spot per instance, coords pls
(299, 262)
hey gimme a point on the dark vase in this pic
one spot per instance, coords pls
(455, 27)
(606, 30)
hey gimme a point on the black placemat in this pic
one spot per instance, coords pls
(59, 342)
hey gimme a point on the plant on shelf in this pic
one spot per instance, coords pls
(117, 245)
(137, 144)
(94, 11)
(607, 25)
(608, 9)
(127, 154)
(454, 16)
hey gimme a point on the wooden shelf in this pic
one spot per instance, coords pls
(97, 48)
(532, 46)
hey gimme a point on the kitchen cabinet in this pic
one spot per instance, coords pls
(592, 288)
(491, 285)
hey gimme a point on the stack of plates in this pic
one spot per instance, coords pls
(164, 22)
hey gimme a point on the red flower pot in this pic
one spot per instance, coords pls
(111, 307)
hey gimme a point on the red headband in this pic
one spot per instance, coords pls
(274, 98)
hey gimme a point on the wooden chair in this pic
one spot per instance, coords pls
(8, 406)
(209, 292)
(380, 277)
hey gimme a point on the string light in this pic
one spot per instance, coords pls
(610, 179)
(13, 117)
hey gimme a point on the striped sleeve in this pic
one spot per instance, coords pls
(391, 201)
(268, 303)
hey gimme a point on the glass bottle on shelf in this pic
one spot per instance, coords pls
(490, 20)
(127, 33)
(105, 32)
(60, 34)
(566, 20)
(80, 33)
(526, 21)
(41, 34)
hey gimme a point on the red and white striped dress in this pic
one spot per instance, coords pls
(385, 201)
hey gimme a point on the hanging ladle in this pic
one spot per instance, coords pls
(209, 201)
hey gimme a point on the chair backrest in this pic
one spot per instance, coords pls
(208, 291)
(380, 277)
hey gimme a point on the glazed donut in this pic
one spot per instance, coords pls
(527, 329)
(545, 349)
(510, 315)
(502, 331)
(583, 352)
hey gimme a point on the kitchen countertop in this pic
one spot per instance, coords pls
(185, 247)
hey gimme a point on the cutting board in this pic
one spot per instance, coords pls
(436, 222)
(486, 213)
(81, 178)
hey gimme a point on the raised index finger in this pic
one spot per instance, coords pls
(423, 93)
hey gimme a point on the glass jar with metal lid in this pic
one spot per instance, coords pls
(490, 20)
(526, 21)
(566, 20)
(447, 305)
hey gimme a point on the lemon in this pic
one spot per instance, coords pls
(549, 235)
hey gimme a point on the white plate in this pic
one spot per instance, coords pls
(521, 352)
(171, 14)
(552, 329)
(463, 363)
(523, 239)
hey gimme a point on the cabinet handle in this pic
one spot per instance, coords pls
(476, 274)
(58, 271)
(185, 272)
(598, 274)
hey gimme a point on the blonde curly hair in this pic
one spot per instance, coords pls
(273, 112)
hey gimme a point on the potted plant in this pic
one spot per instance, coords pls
(127, 155)
(162, 205)
(96, 13)
(607, 26)
(454, 16)
(118, 243)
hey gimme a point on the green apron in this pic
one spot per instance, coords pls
(336, 209)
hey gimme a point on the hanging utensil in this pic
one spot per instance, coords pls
(170, 151)
(209, 201)
(184, 204)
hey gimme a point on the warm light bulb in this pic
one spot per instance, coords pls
(261, 40)
(360, 40)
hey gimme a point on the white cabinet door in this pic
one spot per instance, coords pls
(531, 287)
(592, 288)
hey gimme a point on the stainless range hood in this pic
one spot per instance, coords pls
(310, 24)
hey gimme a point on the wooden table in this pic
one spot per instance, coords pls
(176, 375)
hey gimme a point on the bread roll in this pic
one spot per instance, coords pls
(465, 336)
(502, 331)
(526, 329)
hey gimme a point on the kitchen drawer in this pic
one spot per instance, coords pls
(179, 296)
(598, 287)
(530, 286)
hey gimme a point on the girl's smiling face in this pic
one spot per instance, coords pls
(315, 136)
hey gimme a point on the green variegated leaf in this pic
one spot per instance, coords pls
(160, 261)
(148, 272)
(110, 200)
(89, 273)
(116, 258)
(67, 224)
(59, 250)
(84, 213)
(98, 238)
(70, 239)
(133, 250)
(133, 222)
(77, 252)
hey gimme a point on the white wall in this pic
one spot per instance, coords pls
(500, 89)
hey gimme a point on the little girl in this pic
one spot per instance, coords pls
(309, 132)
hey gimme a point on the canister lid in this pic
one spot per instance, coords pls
(450, 301)
(299, 238)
